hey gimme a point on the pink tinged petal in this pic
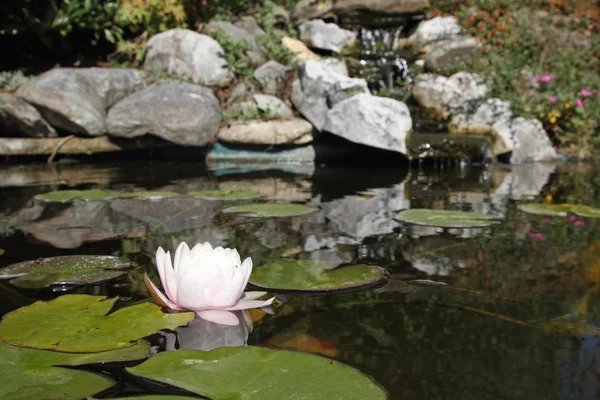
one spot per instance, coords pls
(178, 253)
(190, 293)
(219, 317)
(170, 282)
(160, 264)
(247, 304)
(252, 295)
(157, 296)
(230, 293)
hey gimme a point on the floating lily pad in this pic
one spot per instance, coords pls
(247, 373)
(550, 210)
(271, 210)
(65, 270)
(154, 397)
(445, 218)
(31, 374)
(225, 194)
(64, 196)
(149, 195)
(315, 276)
(78, 323)
(561, 210)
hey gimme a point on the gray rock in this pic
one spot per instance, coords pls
(294, 131)
(272, 106)
(385, 8)
(446, 96)
(526, 139)
(326, 36)
(309, 9)
(448, 52)
(19, 118)
(319, 87)
(76, 100)
(434, 30)
(271, 76)
(337, 64)
(242, 30)
(179, 112)
(239, 93)
(372, 121)
(188, 53)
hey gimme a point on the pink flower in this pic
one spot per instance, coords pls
(578, 223)
(579, 102)
(209, 281)
(586, 93)
(543, 78)
(537, 236)
(573, 218)
(546, 220)
(553, 99)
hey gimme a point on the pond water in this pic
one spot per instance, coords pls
(504, 312)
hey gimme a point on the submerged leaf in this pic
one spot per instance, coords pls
(247, 373)
(271, 210)
(149, 195)
(315, 276)
(225, 194)
(63, 196)
(560, 210)
(79, 323)
(445, 218)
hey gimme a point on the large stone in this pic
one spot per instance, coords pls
(278, 132)
(309, 9)
(320, 87)
(446, 96)
(19, 118)
(242, 31)
(433, 30)
(188, 53)
(269, 107)
(179, 112)
(301, 51)
(76, 100)
(451, 52)
(326, 36)
(384, 8)
(271, 76)
(373, 121)
(526, 139)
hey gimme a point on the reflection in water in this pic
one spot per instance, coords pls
(491, 333)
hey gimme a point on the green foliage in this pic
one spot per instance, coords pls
(151, 16)
(11, 80)
(96, 16)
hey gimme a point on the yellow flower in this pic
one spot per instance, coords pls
(552, 119)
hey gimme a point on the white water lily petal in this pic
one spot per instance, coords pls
(190, 293)
(178, 253)
(170, 282)
(253, 295)
(247, 304)
(161, 296)
(219, 316)
(228, 295)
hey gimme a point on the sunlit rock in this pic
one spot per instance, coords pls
(530, 142)
(19, 118)
(241, 30)
(76, 99)
(301, 51)
(277, 132)
(449, 52)
(271, 75)
(433, 30)
(326, 36)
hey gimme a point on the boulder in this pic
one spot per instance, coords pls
(269, 107)
(446, 96)
(76, 100)
(193, 55)
(309, 9)
(526, 139)
(299, 49)
(326, 36)
(452, 51)
(179, 112)
(434, 30)
(19, 118)
(271, 76)
(373, 121)
(242, 30)
(382, 8)
(319, 87)
(278, 132)
(337, 64)
(481, 117)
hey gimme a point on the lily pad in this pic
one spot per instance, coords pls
(248, 373)
(65, 270)
(445, 218)
(65, 196)
(550, 210)
(315, 276)
(271, 210)
(149, 195)
(31, 374)
(78, 323)
(560, 210)
(225, 194)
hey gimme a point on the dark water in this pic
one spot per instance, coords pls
(516, 320)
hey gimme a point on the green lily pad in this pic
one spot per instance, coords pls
(315, 276)
(550, 210)
(225, 194)
(78, 323)
(154, 397)
(149, 195)
(247, 373)
(64, 196)
(445, 218)
(65, 270)
(271, 210)
(560, 210)
(30, 374)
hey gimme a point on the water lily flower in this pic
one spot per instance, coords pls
(208, 281)
(553, 99)
(579, 102)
